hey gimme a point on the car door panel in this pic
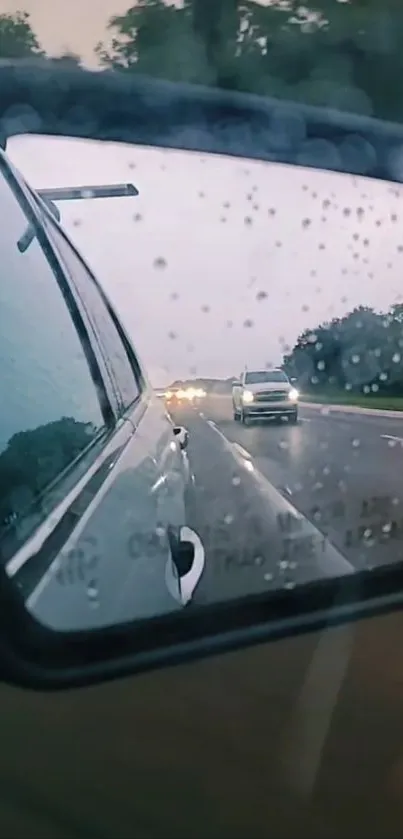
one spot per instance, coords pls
(113, 566)
(97, 555)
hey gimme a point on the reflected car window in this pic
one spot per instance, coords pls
(117, 357)
(50, 407)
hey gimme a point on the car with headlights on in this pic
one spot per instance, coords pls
(264, 394)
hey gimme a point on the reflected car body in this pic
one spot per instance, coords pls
(86, 447)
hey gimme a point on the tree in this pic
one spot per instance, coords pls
(17, 38)
(67, 59)
(34, 458)
(157, 39)
(360, 352)
(347, 55)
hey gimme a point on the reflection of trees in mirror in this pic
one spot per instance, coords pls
(355, 358)
(33, 459)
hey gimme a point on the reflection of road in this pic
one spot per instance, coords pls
(343, 472)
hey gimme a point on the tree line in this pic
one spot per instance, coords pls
(347, 55)
(361, 352)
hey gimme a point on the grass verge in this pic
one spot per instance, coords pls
(382, 403)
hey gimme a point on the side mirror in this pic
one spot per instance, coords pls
(182, 435)
(236, 383)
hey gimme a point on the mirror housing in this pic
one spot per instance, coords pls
(183, 436)
(236, 383)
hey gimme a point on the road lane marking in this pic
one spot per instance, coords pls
(330, 562)
(242, 451)
(392, 437)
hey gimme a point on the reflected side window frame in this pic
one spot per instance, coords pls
(53, 227)
(65, 481)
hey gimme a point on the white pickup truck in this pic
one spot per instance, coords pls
(262, 394)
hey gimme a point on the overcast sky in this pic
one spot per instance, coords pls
(76, 25)
(219, 262)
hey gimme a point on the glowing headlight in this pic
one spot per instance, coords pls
(293, 394)
(247, 396)
(168, 394)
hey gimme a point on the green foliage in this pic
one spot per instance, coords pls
(347, 55)
(17, 38)
(360, 353)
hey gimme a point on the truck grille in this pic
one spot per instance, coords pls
(271, 396)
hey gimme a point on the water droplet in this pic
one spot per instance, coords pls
(137, 217)
(248, 221)
(396, 357)
(93, 594)
(261, 295)
(355, 359)
(228, 518)
(355, 443)
(236, 481)
(160, 262)
(248, 323)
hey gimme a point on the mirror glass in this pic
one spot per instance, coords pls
(213, 265)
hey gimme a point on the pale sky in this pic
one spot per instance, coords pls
(201, 288)
(76, 25)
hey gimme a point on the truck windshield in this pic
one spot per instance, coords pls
(265, 376)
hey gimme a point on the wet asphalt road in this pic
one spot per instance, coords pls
(343, 472)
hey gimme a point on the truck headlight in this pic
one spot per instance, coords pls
(247, 396)
(293, 395)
